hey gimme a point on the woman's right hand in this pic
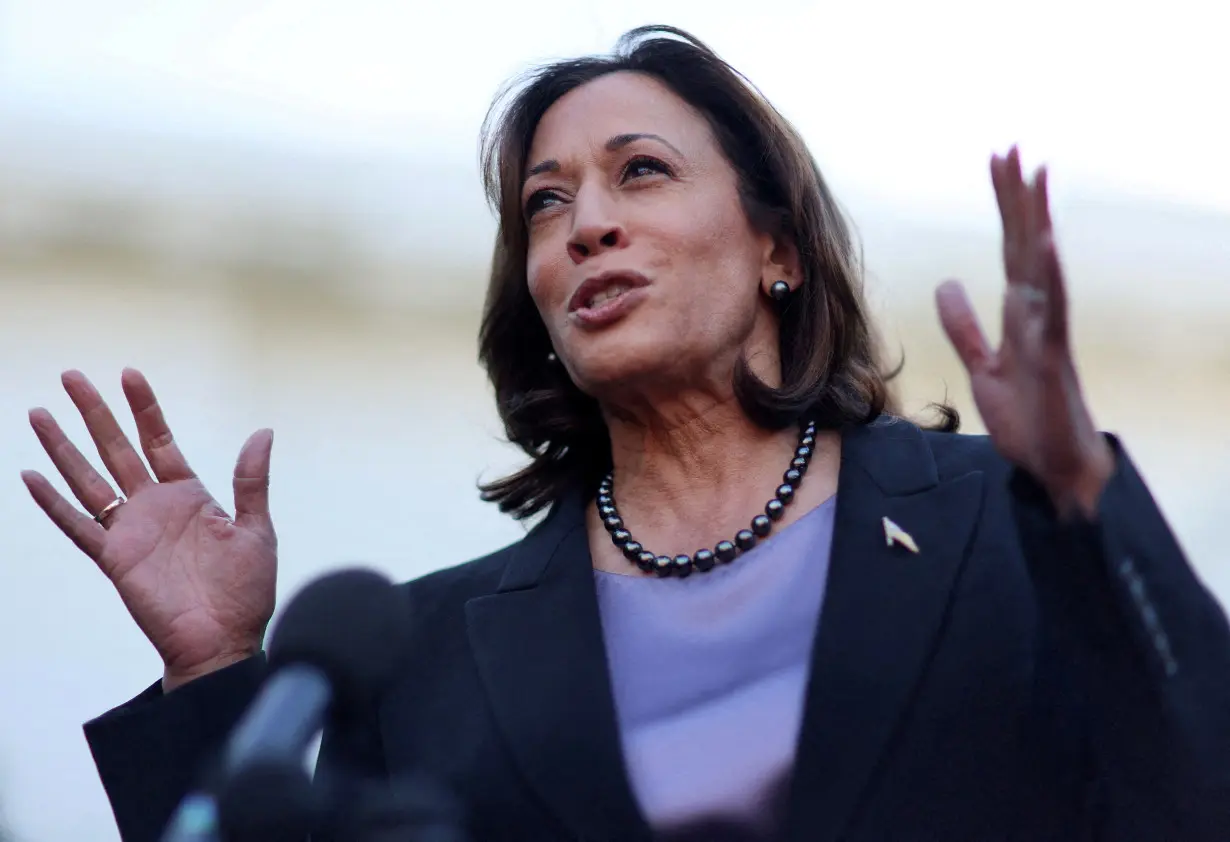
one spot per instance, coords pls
(199, 583)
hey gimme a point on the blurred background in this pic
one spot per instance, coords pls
(272, 207)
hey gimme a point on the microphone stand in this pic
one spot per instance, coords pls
(279, 802)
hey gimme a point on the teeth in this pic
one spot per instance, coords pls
(606, 295)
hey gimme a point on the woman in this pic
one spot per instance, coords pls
(919, 636)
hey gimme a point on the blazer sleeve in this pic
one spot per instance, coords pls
(1150, 647)
(153, 749)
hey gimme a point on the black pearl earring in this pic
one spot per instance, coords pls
(779, 291)
(551, 357)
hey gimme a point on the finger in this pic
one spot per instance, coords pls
(1024, 309)
(252, 479)
(1041, 202)
(83, 531)
(999, 178)
(1015, 182)
(159, 446)
(87, 484)
(1010, 193)
(117, 454)
(1035, 224)
(1049, 271)
(960, 323)
(1055, 330)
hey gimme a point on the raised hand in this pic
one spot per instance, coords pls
(199, 583)
(1027, 391)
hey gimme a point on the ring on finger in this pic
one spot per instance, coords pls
(1033, 295)
(108, 510)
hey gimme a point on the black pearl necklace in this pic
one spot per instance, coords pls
(723, 551)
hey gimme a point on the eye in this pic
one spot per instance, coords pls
(540, 200)
(643, 165)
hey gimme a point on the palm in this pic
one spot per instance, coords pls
(188, 575)
(999, 392)
(1027, 390)
(199, 584)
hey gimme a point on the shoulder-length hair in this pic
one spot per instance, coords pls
(832, 370)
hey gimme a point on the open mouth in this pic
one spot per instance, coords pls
(599, 290)
(604, 299)
(609, 294)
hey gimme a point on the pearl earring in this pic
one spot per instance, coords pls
(779, 291)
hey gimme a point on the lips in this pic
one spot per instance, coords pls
(599, 291)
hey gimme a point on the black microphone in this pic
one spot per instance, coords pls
(337, 645)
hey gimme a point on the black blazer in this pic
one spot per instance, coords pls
(1017, 679)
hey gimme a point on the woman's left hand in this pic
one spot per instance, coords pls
(1027, 391)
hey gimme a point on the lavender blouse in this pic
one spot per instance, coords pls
(709, 674)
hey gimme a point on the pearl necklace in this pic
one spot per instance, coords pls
(724, 551)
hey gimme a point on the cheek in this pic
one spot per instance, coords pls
(546, 277)
(722, 252)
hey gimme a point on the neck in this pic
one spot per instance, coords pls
(694, 475)
(679, 456)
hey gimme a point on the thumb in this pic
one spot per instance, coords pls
(252, 478)
(961, 324)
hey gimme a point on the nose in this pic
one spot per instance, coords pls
(594, 228)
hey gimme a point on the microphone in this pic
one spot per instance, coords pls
(337, 646)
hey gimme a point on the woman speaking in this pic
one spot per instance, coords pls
(759, 605)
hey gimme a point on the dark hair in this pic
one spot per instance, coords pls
(830, 357)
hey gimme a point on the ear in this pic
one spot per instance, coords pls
(780, 263)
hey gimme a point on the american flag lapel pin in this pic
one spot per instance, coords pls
(894, 534)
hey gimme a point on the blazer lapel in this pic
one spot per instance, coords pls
(539, 649)
(883, 611)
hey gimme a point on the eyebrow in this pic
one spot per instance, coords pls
(619, 141)
(616, 143)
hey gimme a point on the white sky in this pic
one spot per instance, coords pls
(901, 99)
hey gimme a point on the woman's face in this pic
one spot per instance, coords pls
(642, 262)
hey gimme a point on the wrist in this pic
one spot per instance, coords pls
(175, 677)
(1082, 494)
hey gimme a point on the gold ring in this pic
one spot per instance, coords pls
(108, 509)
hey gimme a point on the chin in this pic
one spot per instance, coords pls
(604, 365)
